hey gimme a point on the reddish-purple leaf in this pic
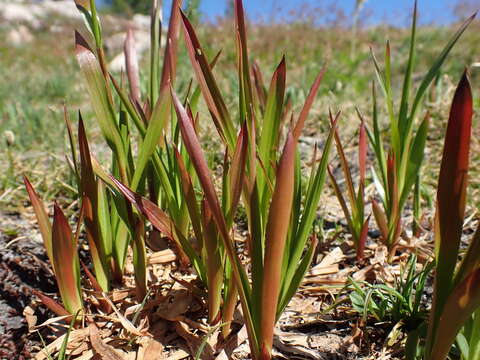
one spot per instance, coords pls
(237, 169)
(89, 197)
(276, 234)
(159, 219)
(243, 65)
(52, 305)
(87, 178)
(213, 263)
(451, 193)
(66, 262)
(170, 57)
(464, 299)
(208, 86)
(259, 85)
(341, 199)
(452, 180)
(192, 144)
(42, 218)
(308, 104)
(362, 239)
(152, 212)
(196, 155)
(343, 162)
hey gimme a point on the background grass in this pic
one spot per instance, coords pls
(40, 76)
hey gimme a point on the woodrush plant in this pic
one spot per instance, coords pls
(355, 216)
(159, 168)
(280, 208)
(398, 168)
(272, 194)
(111, 222)
(456, 296)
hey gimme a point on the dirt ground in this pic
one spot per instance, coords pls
(305, 330)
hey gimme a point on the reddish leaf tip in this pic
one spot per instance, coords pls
(80, 43)
(26, 181)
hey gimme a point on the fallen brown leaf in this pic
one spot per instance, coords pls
(105, 351)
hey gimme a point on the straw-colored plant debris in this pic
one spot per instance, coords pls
(196, 221)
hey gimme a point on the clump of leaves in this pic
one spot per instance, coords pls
(280, 208)
(355, 216)
(456, 295)
(125, 118)
(398, 169)
(61, 246)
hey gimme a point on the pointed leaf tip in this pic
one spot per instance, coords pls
(81, 43)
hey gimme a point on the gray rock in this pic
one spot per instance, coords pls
(37, 14)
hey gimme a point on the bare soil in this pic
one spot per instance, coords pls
(22, 268)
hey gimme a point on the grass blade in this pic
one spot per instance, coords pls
(308, 103)
(407, 83)
(362, 152)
